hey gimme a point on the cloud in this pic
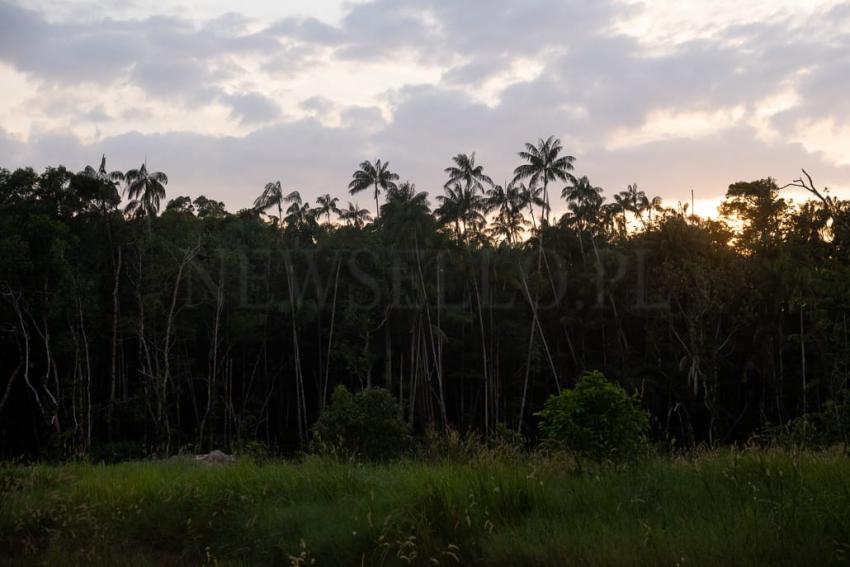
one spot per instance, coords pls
(166, 56)
(309, 30)
(252, 108)
(290, 102)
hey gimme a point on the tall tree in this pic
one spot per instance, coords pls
(468, 174)
(378, 176)
(406, 215)
(544, 163)
(327, 205)
(585, 202)
(145, 190)
(464, 209)
(298, 213)
(272, 196)
(354, 216)
(508, 201)
(102, 174)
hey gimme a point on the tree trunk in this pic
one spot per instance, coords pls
(113, 385)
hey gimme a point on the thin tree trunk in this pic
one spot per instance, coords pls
(535, 321)
(213, 366)
(169, 329)
(88, 375)
(803, 359)
(331, 335)
(437, 364)
(114, 363)
(487, 386)
(301, 406)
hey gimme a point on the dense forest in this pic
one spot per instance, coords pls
(153, 325)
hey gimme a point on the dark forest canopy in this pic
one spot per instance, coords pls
(171, 323)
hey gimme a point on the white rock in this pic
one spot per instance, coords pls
(215, 456)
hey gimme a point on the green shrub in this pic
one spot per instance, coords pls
(597, 420)
(366, 425)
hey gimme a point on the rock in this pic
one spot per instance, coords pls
(215, 457)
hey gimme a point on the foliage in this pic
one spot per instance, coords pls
(364, 425)
(595, 420)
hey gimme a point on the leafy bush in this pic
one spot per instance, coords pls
(367, 425)
(597, 420)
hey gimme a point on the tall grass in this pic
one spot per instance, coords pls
(721, 508)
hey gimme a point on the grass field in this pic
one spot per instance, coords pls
(722, 508)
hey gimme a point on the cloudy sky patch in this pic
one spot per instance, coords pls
(673, 95)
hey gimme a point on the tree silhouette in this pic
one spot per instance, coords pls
(405, 213)
(326, 206)
(466, 173)
(585, 203)
(508, 201)
(101, 173)
(378, 176)
(145, 191)
(272, 196)
(544, 164)
(463, 209)
(298, 213)
(354, 216)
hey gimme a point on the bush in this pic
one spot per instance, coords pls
(366, 425)
(597, 420)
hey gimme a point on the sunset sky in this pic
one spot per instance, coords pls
(674, 95)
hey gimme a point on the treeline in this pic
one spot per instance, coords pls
(143, 330)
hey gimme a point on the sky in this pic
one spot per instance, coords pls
(674, 95)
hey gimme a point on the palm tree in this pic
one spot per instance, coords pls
(622, 203)
(326, 206)
(461, 207)
(145, 191)
(650, 206)
(545, 164)
(509, 200)
(298, 213)
(355, 216)
(101, 174)
(271, 196)
(585, 203)
(532, 197)
(377, 175)
(405, 213)
(465, 172)
(98, 188)
(449, 211)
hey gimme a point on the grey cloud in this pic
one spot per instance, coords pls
(252, 108)
(97, 113)
(315, 158)
(475, 71)
(69, 52)
(593, 82)
(309, 30)
(318, 104)
(164, 55)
